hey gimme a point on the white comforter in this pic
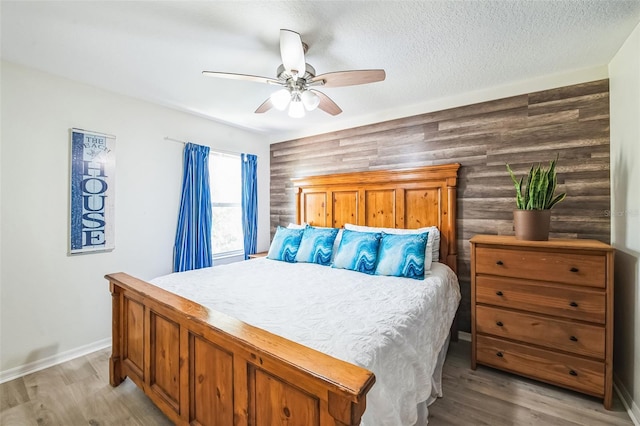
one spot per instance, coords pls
(394, 327)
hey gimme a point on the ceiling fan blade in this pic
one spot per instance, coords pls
(244, 77)
(292, 52)
(349, 78)
(326, 104)
(266, 106)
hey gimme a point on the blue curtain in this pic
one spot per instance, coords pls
(250, 203)
(192, 249)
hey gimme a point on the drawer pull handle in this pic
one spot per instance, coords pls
(573, 304)
(499, 262)
(498, 293)
(499, 355)
(573, 338)
(574, 269)
(573, 372)
(499, 324)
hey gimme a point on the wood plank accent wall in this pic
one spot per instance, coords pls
(572, 122)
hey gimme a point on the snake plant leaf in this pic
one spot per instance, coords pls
(518, 186)
(527, 185)
(519, 200)
(542, 189)
(556, 200)
(553, 182)
(533, 189)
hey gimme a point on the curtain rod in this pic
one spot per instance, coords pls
(222, 151)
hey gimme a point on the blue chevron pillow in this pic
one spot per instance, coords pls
(285, 244)
(402, 255)
(358, 251)
(316, 245)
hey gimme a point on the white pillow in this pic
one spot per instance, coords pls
(431, 251)
(436, 242)
(296, 226)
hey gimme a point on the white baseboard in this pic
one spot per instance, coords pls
(464, 336)
(632, 408)
(32, 367)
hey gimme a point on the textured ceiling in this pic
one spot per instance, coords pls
(430, 49)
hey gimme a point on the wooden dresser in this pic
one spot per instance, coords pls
(544, 310)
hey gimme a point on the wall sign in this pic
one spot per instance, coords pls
(92, 192)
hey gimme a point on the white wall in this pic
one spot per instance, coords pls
(52, 303)
(624, 74)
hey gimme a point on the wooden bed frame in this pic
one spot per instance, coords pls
(201, 367)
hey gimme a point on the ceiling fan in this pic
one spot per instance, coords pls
(298, 80)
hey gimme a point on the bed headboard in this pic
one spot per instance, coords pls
(407, 198)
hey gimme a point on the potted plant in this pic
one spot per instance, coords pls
(535, 196)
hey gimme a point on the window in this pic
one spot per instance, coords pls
(225, 175)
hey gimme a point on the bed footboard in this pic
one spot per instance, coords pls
(201, 367)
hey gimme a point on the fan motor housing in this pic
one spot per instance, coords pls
(282, 74)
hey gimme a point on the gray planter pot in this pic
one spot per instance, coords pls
(532, 225)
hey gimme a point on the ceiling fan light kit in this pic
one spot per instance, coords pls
(310, 100)
(295, 92)
(280, 99)
(296, 108)
(298, 79)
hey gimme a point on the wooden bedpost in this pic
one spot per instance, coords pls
(344, 411)
(298, 205)
(115, 360)
(452, 255)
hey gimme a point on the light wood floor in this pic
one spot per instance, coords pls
(78, 393)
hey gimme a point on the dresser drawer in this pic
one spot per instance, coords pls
(565, 370)
(582, 339)
(570, 268)
(551, 299)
